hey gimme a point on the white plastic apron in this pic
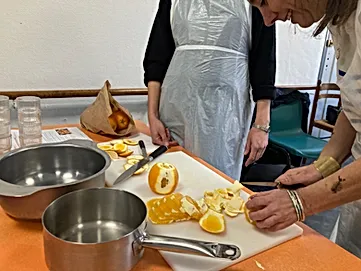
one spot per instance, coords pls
(348, 51)
(206, 101)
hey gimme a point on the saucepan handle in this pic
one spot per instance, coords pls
(180, 245)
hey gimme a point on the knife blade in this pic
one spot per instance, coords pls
(129, 172)
(274, 184)
(142, 148)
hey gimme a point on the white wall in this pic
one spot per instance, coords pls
(51, 44)
(298, 54)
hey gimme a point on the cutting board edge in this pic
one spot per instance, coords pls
(225, 265)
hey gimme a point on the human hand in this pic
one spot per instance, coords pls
(303, 175)
(272, 210)
(257, 142)
(160, 135)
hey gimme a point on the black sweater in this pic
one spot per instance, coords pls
(262, 59)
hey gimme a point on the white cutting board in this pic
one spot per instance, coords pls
(195, 178)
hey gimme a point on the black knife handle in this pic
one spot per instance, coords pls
(291, 187)
(141, 144)
(159, 151)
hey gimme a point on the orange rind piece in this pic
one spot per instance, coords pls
(191, 207)
(112, 154)
(126, 153)
(246, 214)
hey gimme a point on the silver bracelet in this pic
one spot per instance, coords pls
(301, 206)
(297, 204)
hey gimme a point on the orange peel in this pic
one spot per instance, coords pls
(163, 178)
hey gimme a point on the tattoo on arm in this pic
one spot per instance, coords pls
(336, 187)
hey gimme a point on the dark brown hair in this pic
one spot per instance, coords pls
(337, 13)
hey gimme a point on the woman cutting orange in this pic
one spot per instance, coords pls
(327, 186)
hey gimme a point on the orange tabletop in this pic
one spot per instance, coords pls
(21, 245)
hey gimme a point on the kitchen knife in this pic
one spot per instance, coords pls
(142, 148)
(129, 172)
(274, 184)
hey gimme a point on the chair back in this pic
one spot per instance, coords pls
(287, 117)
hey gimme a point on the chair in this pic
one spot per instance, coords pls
(319, 94)
(286, 132)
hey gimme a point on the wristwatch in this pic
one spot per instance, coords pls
(264, 128)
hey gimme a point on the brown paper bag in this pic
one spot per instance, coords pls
(107, 116)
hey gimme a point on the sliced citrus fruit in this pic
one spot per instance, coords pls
(212, 222)
(191, 207)
(166, 209)
(246, 214)
(105, 147)
(126, 153)
(202, 206)
(127, 166)
(139, 171)
(116, 141)
(230, 213)
(132, 161)
(130, 142)
(236, 187)
(135, 157)
(163, 178)
(120, 148)
(112, 154)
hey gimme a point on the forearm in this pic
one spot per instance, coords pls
(263, 112)
(339, 146)
(342, 187)
(154, 89)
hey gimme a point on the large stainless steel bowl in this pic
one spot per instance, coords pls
(32, 177)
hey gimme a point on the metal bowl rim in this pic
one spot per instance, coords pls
(60, 144)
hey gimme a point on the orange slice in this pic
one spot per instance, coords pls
(112, 154)
(126, 153)
(163, 178)
(212, 222)
(130, 142)
(120, 148)
(166, 210)
(105, 147)
(132, 161)
(139, 171)
(135, 157)
(116, 141)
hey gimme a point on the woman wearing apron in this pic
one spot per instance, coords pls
(327, 185)
(198, 78)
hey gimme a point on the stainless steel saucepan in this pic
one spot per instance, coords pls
(105, 229)
(32, 177)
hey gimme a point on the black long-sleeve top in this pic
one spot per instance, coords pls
(262, 59)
